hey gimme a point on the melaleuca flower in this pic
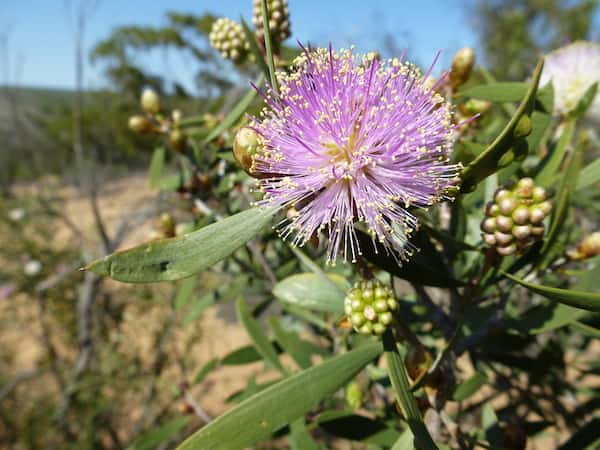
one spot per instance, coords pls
(351, 138)
(572, 70)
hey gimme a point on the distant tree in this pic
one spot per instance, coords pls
(514, 32)
(185, 33)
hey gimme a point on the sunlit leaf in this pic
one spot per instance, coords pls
(469, 387)
(259, 416)
(157, 165)
(497, 92)
(183, 256)
(311, 291)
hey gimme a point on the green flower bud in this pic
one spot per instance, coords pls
(525, 188)
(539, 194)
(245, 145)
(370, 306)
(489, 224)
(489, 239)
(279, 20)
(177, 139)
(536, 215)
(523, 128)
(354, 395)
(501, 194)
(507, 206)
(150, 101)
(228, 37)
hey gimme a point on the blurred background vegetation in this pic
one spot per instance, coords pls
(84, 366)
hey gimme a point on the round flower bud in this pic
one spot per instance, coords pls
(546, 207)
(150, 101)
(167, 225)
(503, 239)
(537, 231)
(523, 127)
(524, 188)
(489, 239)
(507, 205)
(501, 194)
(536, 215)
(245, 145)
(369, 306)
(177, 140)
(539, 194)
(354, 395)
(590, 246)
(522, 232)
(462, 65)
(279, 20)
(140, 124)
(504, 223)
(32, 268)
(507, 251)
(489, 224)
(521, 215)
(228, 37)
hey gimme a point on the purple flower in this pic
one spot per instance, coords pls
(354, 139)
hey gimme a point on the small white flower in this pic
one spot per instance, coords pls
(32, 268)
(572, 70)
(16, 215)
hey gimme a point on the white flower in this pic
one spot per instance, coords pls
(572, 70)
(16, 215)
(32, 268)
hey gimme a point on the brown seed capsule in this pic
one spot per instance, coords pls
(521, 215)
(504, 223)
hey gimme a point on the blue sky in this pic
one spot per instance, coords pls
(42, 52)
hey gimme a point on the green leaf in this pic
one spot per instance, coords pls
(311, 291)
(404, 396)
(235, 113)
(578, 299)
(406, 441)
(195, 312)
(497, 92)
(585, 102)
(258, 417)
(550, 165)
(545, 317)
(562, 202)
(183, 256)
(291, 344)
(589, 175)
(488, 162)
(186, 289)
(586, 329)
(264, 9)
(541, 117)
(152, 439)
(261, 342)
(240, 356)
(469, 387)
(205, 370)
(157, 165)
(356, 427)
(300, 439)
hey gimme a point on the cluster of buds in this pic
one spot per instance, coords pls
(279, 20)
(587, 248)
(370, 305)
(514, 219)
(227, 36)
(153, 122)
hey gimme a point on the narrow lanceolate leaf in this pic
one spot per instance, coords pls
(312, 291)
(469, 387)
(153, 438)
(235, 113)
(264, 9)
(259, 416)
(562, 202)
(577, 299)
(186, 289)
(497, 92)
(261, 342)
(551, 164)
(291, 344)
(589, 175)
(487, 162)
(406, 441)
(183, 256)
(157, 165)
(258, 55)
(584, 328)
(545, 317)
(405, 398)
